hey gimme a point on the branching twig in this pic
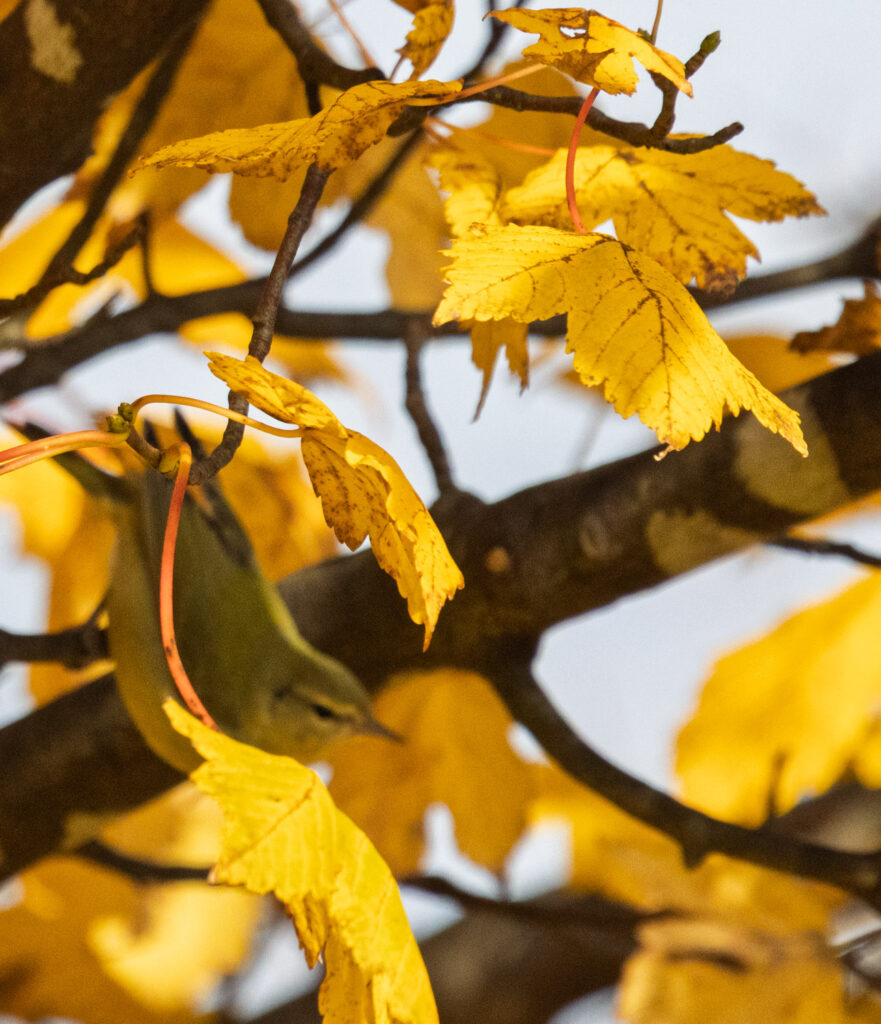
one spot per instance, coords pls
(429, 435)
(67, 274)
(828, 547)
(633, 132)
(698, 834)
(314, 64)
(667, 115)
(265, 316)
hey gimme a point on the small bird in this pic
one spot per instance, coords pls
(259, 679)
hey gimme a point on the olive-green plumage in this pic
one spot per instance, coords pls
(257, 677)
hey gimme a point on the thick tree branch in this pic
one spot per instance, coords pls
(50, 100)
(567, 546)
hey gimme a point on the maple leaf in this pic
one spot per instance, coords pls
(362, 489)
(739, 752)
(432, 23)
(669, 205)
(283, 834)
(474, 187)
(463, 761)
(857, 330)
(356, 120)
(632, 326)
(593, 49)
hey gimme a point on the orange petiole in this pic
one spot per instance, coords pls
(166, 587)
(570, 161)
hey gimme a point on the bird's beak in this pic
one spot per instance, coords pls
(371, 727)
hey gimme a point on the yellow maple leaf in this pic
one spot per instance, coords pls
(594, 49)
(362, 489)
(669, 205)
(474, 186)
(740, 755)
(771, 359)
(337, 135)
(690, 972)
(283, 834)
(432, 23)
(462, 760)
(632, 326)
(857, 330)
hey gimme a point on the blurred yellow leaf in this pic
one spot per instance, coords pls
(632, 326)
(857, 330)
(463, 760)
(339, 134)
(669, 205)
(432, 23)
(487, 339)
(783, 718)
(594, 49)
(49, 965)
(772, 360)
(362, 489)
(691, 972)
(181, 939)
(283, 834)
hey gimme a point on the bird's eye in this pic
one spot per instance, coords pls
(323, 711)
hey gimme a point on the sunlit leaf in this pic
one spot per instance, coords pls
(284, 835)
(593, 49)
(632, 326)
(670, 205)
(784, 717)
(455, 752)
(336, 136)
(857, 330)
(362, 489)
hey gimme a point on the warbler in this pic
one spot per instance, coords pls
(258, 678)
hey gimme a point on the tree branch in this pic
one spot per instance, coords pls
(698, 834)
(429, 435)
(811, 546)
(47, 113)
(570, 546)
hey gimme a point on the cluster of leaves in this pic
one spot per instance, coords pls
(635, 332)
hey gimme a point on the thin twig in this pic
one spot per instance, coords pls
(67, 274)
(497, 30)
(573, 909)
(633, 132)
(828, 547)
(697, 834)
(429, 435)
(266, 315)
(44, 363)
(669, 91)
(313, 63)
(145, 872)
(361, 206)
